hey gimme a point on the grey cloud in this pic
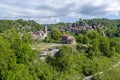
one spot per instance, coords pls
(93, 10)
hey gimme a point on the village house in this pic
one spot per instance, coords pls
(75, 29)
(40, 34)
(88, 28)
(68, 39)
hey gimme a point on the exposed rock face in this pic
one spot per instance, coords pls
(44, 54)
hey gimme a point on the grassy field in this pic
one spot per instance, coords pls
(42, 46)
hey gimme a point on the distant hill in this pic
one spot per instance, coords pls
(20, 24)
(90, 22)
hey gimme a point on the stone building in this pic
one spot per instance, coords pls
(68, 39)
(40, 34)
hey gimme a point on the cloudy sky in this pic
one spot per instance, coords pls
(53, 11)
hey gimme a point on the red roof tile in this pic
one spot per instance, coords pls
(65, 35)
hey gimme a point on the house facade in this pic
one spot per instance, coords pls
(68, 39)
(40, 34)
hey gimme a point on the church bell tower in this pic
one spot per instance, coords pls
(45, 29)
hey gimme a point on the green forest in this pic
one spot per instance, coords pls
(93, 53)
(20, 24)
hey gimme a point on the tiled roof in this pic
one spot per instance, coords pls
(65, 35)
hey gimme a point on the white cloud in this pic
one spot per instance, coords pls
(50, 11)
(51, 20)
